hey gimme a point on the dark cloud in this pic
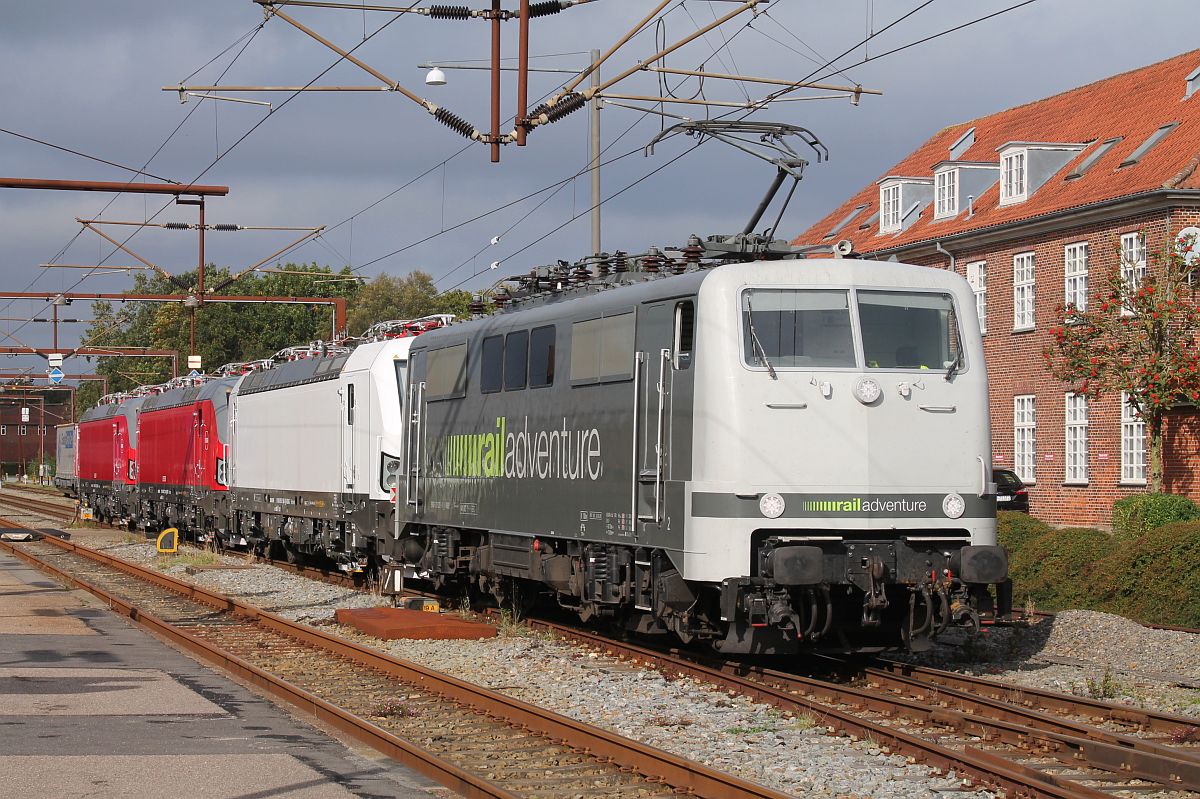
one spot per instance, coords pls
(88, 75)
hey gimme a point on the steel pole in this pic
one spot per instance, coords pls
(594, 154)
(523, 75)
(495, 81)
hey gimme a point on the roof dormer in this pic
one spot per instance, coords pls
(1026, 166)
(901, 200)
(954, 181)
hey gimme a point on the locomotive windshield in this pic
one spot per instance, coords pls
(908, 330)
(813, 328)
(796, 327)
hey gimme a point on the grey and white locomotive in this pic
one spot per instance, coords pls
(765, 455)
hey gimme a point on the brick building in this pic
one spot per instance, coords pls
(22, 443)
(1032, 205)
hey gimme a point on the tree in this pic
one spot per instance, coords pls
(1138, 335)
(224, 332)
(409, 297)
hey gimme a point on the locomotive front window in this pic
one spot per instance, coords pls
(909, 330)
(796, 328)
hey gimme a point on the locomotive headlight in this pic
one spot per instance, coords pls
(953, 506)
(867, 390)
(391, 480)
(771, 505)
(392, 466)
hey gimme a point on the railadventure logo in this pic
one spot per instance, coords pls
(555, 454)
(860, 505)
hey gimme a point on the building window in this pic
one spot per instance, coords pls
(1076, 434)
(1012, 177)
(1023, 287)
(946, 191)
(1024, 437)
(1133, 265)
(977, 277)
(889, 208)
(1133, 444)
(1075, 269)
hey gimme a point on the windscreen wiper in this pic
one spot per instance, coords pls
(758, 347)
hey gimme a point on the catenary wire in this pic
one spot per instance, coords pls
(243, 137)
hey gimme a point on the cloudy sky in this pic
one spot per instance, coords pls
(87, 75)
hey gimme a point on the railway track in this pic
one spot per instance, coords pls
(1025, 742)
(477, 742)
(55, 510)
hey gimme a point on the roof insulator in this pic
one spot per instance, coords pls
(176, 225)
(228, 226)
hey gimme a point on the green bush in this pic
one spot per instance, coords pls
(1154, 578)
(1136, 515)
(1055, 569)
(1015, 529)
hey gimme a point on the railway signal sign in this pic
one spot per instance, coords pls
(24, 414)
(55, 376)
(193, 361)
(55, 359)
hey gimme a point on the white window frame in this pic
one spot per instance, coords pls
(1133, 263)
(1024, 290)
(1075, 439)
(1133, 444)
(977, 277)
(890, 208)
(1014, 176)
(1025, 437)
(946, 194)
(1075, 275)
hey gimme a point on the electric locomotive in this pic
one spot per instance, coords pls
(763, 455)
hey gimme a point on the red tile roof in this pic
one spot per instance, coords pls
(1132, 104)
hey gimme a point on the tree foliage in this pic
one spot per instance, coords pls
(408, 297)
(1136, 335)
(228, 333)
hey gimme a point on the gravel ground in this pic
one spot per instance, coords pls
(793, 754)
(1086, 653)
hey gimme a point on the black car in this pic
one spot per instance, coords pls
(1011, 493)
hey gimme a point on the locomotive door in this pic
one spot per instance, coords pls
(199, 445)
(118, 454)
(354, 414)
(652, 386)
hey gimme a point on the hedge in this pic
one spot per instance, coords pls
(1153, 578)
(1056, 568)
(1136, 515)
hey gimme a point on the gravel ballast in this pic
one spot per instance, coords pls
(793, 754)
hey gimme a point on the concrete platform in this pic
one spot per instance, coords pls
(92, 706)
